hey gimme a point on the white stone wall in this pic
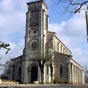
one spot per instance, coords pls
(76, 73)
(58, 46)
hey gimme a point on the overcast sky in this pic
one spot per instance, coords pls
(70, 29)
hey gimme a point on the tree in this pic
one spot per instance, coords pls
(74, 5)
(5, 46)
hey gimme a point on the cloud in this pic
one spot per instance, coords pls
(16, 50)
(12, 30)
(73, 33)
(12, 20)
(12, 27)
(75, 26)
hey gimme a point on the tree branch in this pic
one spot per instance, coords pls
(5, 46)
(73, 3)
(80, 6)
(77, 4)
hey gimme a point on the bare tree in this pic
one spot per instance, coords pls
(73, 5)
(5, 46)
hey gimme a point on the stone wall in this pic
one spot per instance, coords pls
(9, 82)
(61, 73)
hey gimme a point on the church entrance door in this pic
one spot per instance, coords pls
(34, 73)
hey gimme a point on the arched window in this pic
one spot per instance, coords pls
(58, 47)
(61, 70)
(61, 48)
(19, 72)
(34, 45)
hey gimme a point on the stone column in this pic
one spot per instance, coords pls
(72, 73)
(76, 74)
(82, 76)
(69, 73)
(25, 72)
(42, 30)
(44, 80)
(83, 80)
(79, 76)
(22, 72)
(59, 47)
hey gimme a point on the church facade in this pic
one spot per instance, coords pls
(45, 58)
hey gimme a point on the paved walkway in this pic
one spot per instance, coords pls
(44, 86)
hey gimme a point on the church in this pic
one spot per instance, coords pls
(45, 57)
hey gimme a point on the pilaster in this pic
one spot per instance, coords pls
(69, 73)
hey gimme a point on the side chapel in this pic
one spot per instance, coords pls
(45, 57)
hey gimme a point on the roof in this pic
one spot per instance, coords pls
(63, 54)
(17, 58)
(51, 32)
(39, 1)
(62, 43)
(76, 63)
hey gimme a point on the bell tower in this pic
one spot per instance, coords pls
(35, 36)
(36, 29)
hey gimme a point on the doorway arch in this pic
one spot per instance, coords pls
(34, 73)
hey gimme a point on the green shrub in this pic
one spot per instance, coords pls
(56, 80)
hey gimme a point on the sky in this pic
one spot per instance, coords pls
(71, 29)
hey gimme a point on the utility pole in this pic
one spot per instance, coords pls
(86, 15)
